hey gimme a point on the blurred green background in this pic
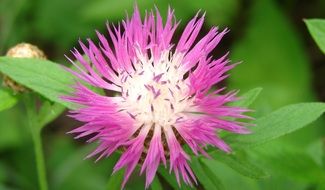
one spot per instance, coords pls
(269, 37)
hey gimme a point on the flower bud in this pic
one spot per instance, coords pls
(22, 50)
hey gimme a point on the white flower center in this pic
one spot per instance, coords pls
(155, 93)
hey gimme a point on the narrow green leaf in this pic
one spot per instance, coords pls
(6, 100)
(170, 178)
(316, 151)
(248, 98)
(283, 159)
(280, 122)
(115, 180)
(45, 77)
(156, 185)
(316, 28)
(48, 112)
(239, 162)
(209, 172)
(230, 178)
(208, 179)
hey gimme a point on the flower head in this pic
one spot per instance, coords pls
(164, 96)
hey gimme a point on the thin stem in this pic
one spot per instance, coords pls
(41, 170)
(37, 140)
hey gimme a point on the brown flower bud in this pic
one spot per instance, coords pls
(22, 50)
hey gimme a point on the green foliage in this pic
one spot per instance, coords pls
(48, 112)
(230, 178)
(171, 179)
(316, 28)
(9, 20)
(287, 160)
(316, 150)
(238, 161)
(35, 130)
(156, 185)
(273, 58)
(65, 27)
(7, 100)
(13, 127)
(247, 98)
(205, 176)
(97, 11)
(69, 170)
(280, 122)
(115, 181)
(45, 77)
(220, 12)
(265, 41)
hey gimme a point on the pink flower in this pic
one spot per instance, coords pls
(163, 95)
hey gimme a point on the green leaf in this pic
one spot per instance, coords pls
(208, 179)
(316, 28)
(230, 178)
(48, 112)
(45, 77)
(6, 100)
(280, 122)
(239, 162)
(274, 57)
(171, 179)
(115, 180)
(316, 151)
(156, 185)
(248, 98)
(283, 159)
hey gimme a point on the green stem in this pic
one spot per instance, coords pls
(38, 149)
(37, 140)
